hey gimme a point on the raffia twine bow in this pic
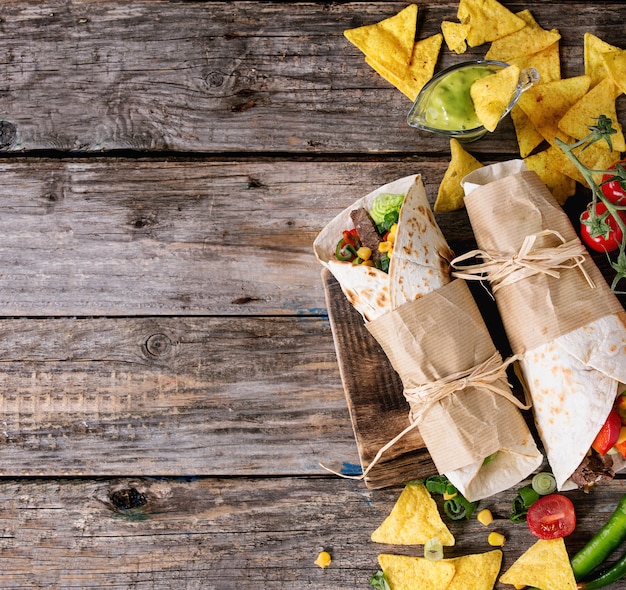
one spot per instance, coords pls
(529, 261)
(423, 397)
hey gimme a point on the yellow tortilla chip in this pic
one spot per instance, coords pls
(545, 104)
(547, 62)
(450, 194)
(615, 64)
(455, 35)
(492, 95)
(477, 571)
(545, 565)
(488, 19)
(528, 138)
(530, 39)
(413, 520)
(404, 572)
(545, 165)
(594, 47)
(595, 157)
(410, 80)
(600, 100)
(389, 41)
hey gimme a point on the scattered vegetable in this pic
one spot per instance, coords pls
(525, 498)
(455, 505)
(551, 517)
(614, 184)
(379, 581)
(433, 549)
(599, 230)
(544, 483)
(485, 517)
(614, 573)
(496, 539)
(603, 543)
(323, 559)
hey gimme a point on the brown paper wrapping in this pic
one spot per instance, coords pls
(503, 213)
(436, 336)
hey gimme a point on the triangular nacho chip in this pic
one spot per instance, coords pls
(404, 572)
(594, 47)
(600, 100)
(389, 41)
(545, 565)
(413, 520)
(547, 62)
(615, 64)
(544, 164)
(450, 194)
(545, 104)
(594, 157)
(410, 80)
(492, 95)
(477, 571)
(530, 39)
(528, 138)
(488, 19)
(455, 35)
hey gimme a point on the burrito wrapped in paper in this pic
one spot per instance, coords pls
(435, 338)
(558, 311)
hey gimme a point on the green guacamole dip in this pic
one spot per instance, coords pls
(449, 105)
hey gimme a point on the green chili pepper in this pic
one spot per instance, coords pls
(344, 251)
(603, 543)
(616, 572)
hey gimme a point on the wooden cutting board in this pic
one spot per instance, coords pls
(373, 389)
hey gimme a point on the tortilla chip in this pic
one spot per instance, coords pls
(404, 572)
(413, 520)
(545, 104)
(492, 95)
(600, 100)
(477, 571)
(411, 80)
(450, 194)
(455, 35)
(528, 138)
(488, 19)
(594, 47)
(530, 39)
(545, 565)
(547, 62)
(389, 41)
(544, 164)
(595, 157)
(615, 64)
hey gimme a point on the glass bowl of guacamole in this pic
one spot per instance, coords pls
(444, 105)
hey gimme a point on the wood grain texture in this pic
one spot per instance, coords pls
(214, 77)
(225, 534)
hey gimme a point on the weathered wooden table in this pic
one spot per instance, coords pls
(168, 379)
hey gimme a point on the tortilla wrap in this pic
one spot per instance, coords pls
(571, 332)
(400, 309)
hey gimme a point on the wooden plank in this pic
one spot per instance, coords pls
(171, 396)
(226, 534)
(83, 238)
(215, 77)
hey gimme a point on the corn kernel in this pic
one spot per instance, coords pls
(323, 559)
(393, 230)
(385, 247)
(485, 517)
(520, 586)
(496, 539)
(368, 263)
(447, 496)
(364, 253)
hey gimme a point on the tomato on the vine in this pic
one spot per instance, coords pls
(614, 185)
(601, 232)
(551, 517)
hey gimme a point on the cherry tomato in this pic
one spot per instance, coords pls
(601, 233)
(614, 185)
(551, 517)
(609, 433)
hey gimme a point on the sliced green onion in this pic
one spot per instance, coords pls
(525, 498)
(544, 483)
(433, 549)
